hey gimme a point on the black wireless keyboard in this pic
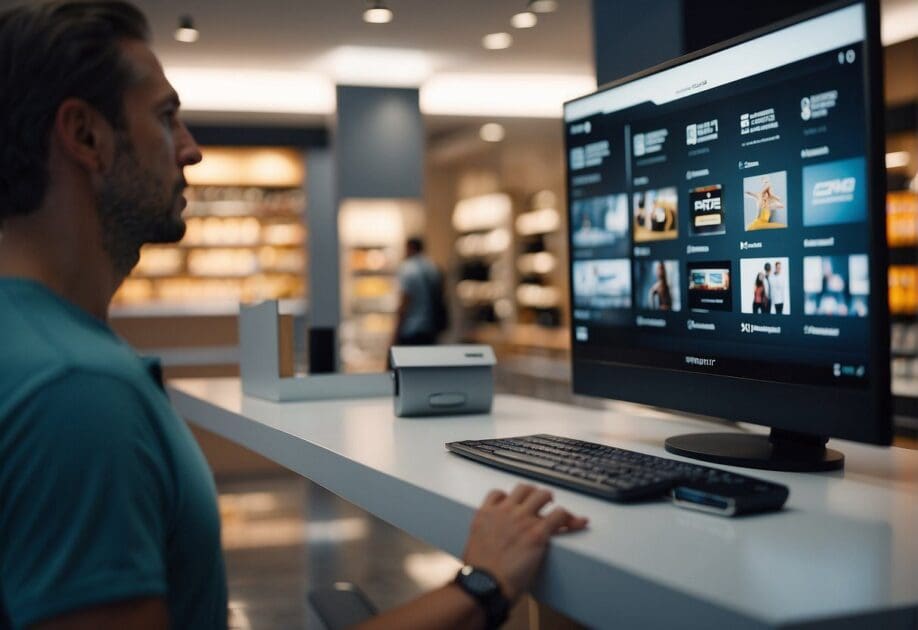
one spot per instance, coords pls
(620, 475)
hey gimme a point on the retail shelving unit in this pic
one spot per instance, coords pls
(902, 236)
(485, 262)
(539, 293)
(902, 228)
(245, 237)
(373, 234)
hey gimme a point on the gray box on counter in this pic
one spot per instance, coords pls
(443, 380)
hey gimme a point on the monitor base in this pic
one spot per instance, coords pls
(782, 450)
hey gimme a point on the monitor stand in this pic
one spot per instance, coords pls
(782, 450)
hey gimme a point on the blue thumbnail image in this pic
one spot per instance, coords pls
(835, 192)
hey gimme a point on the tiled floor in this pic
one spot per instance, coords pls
(285, 535)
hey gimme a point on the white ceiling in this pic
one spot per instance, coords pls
(295, 34)
(292, 51)
(293, 39)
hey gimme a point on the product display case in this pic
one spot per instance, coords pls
(539, 263)
(245, 238)
(902, 236)
(485, 261)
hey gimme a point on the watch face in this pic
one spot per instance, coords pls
(478, 581)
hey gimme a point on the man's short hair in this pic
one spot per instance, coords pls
(767, 266)
(48, 53)
(415, 244)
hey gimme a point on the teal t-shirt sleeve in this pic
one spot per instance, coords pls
(84, 494)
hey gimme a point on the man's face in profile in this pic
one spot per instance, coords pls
(141, 201)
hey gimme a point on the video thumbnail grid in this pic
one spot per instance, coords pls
(835, 285)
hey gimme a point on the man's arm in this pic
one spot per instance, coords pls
(508, 539)
(404, 300)
(139, 614)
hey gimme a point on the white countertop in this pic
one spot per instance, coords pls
(845, 545)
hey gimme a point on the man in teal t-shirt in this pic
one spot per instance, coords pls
(108, 513)
(84, 425)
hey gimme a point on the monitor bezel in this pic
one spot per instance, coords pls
(812, 409)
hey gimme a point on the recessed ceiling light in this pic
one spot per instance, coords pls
(497, 41)
(241, 89)
(186, 32)
(510, 95)
(543, 6)
(376, 65)
(491, 132)
(377, 13)
(898, 22)
(526, 19)
(897, 159)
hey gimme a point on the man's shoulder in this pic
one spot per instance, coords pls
(41, 344)
(83, 392)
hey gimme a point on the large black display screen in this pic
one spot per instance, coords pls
(718, 212)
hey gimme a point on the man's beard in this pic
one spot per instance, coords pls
(135, 208)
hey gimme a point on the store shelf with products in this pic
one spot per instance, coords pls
(902, 237)
(485, 273)
(372, 235)
(244, 240)
(540, 295)
(902, 234)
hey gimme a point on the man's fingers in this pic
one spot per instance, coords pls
(576, 523)
(536, 501)
(519, 493)
(494, 497)
(560, 518)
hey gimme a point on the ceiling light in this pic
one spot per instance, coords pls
(514, 95)
(186, 32)
(249, 90)
(377, 13)
(543, 6)
(497, 41)
(491, 132)
(898, 21)
(897, 159)
(526, 19)
(376, 65)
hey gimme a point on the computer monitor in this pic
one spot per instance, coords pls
(727, 239)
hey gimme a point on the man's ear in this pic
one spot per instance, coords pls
(84, 135)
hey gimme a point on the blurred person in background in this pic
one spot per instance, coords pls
(422, 314)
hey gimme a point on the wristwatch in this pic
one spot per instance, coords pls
(482, 586)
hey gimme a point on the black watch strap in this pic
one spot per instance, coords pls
(482, 586)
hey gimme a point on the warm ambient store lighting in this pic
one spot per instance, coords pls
(250, 90)
(376, 66)
(186, 32)
(519, 95)
(897, 159)
(543, 6)
(526, 19)
(497, 41)
(240, 89)
(898, 21)
(377, 13)
(491, 132)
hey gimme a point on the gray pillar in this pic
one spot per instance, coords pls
(379, 153)
(379, 143)
(324, 284)
(633, 36)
